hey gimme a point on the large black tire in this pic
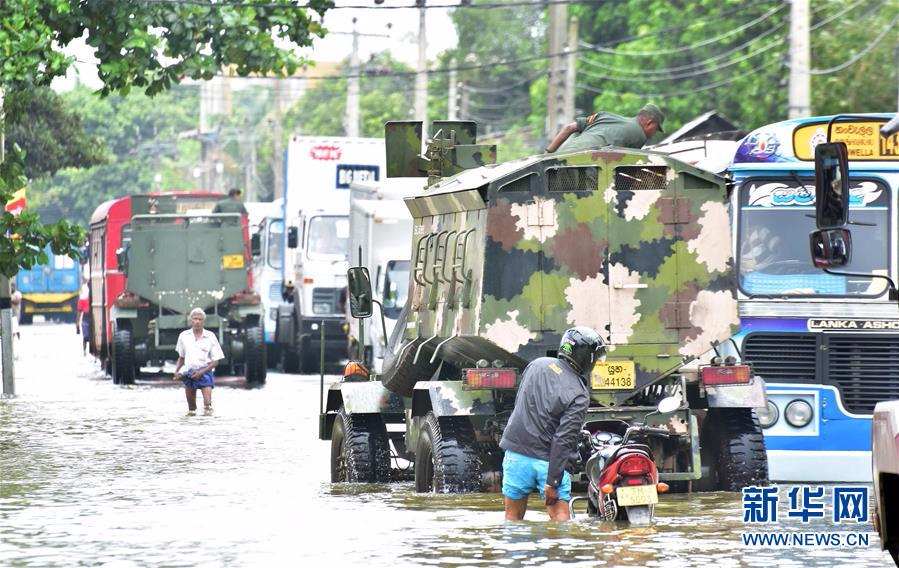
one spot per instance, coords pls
(255, 363)
(122, 357)
(446, 459)
(733, 442)
(400, 376)
(360, 449)
(25, 319)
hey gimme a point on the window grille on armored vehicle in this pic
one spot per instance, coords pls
(524, 183)
(637, 178)
(572, 179)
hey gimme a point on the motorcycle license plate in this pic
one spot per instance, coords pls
(613, 375)
(637, 495)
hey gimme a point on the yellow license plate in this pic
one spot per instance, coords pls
(637, 495)
(613, 375)
(232, 261)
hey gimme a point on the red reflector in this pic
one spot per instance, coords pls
(735, 375)
(635, 465)
(489, 379)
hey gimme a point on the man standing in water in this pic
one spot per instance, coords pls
(542, 433)
(198, 352)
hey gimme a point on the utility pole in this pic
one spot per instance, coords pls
(570, 71)
(204, 144)
(278, 157)
(463, 102)
(351, 120)
(800, 57)
(421, 76)
(452, 101)
(555, 96)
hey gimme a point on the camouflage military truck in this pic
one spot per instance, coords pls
(505, 257)
(178, 256)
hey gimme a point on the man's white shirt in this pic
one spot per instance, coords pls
(200, 352)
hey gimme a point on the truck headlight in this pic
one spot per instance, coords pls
(768, 416)
(798, 413)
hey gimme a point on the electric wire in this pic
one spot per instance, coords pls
(859, 55)
(465, 5)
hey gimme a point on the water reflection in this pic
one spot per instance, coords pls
(98, 474)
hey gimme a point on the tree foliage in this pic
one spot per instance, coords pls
(150, 45)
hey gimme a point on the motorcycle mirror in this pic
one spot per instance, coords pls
(668, 405)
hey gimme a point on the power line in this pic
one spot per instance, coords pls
(858, 55)
(461, 4)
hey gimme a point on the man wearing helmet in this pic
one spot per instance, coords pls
(541, 437)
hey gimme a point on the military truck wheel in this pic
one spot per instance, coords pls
(26, 319)
(733, 441)
(255, 363)
(446, 459)
(360, 449)
(122, 357)
(403, 374)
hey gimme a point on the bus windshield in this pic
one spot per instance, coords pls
(328, 237)
(396, 287)
(776, 217)
(275, 243)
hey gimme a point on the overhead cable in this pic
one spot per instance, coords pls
(424, 5)
(859, 55)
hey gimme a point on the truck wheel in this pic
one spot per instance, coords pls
(122, 357)
(446, 460)
(26, 319)
(735, 446)
(402, 375)
(255, 365)
(360, 450)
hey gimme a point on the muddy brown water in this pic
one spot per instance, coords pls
(95, 474)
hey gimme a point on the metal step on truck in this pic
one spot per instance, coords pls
(506, 257)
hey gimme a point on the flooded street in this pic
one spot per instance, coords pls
(95, 474)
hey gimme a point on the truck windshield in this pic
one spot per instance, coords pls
(776, 217)
(275, 243)
(396, 287)
(328, 237)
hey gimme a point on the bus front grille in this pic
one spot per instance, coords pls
(782, 356)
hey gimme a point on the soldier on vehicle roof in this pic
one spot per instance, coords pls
(608, 129)
(230, 205)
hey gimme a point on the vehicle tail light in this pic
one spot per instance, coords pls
(247, 297)
(662, 487)
(635, 465)
(308, 280)
(726, 375)
(489, 379)
(607, 488)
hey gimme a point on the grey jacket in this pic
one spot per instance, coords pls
(549, 413)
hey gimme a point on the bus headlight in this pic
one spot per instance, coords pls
(798, 413)
(768, 416)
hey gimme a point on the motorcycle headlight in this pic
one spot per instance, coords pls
(768, 416)
(798, 413)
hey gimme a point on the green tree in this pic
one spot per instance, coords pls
(143, 44)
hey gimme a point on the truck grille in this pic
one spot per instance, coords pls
(864, 368)
(274, 292)
(325, 301)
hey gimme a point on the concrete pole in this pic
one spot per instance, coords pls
(555, 106)
(9, 378)
(800, 58)
(421, 76)
(463, 103)
(351, 119)
(452, 103)
(278, 151)
(570, 71)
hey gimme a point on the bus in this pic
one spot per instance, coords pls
(50, 289)
(826, 345)
(267, 228)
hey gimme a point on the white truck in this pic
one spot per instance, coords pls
(380, 225)
(266, 221)
(319, 172)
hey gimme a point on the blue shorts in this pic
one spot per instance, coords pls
(522, 475)
(206, 380)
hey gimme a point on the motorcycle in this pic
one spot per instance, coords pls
(622, 480)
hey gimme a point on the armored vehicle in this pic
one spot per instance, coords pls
(177, 257)
(505, 258)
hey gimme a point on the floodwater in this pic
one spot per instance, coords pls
(95, 474)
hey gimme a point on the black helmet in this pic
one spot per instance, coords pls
(581, 346)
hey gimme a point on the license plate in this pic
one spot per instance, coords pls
(613, 375)
(232, 261)
(637, 495)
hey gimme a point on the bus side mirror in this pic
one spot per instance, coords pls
(255, 245)
(831, 247)
(292, 237)
(831, 185)
(359, 284)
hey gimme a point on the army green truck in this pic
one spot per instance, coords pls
(178, 256)
(505, 257)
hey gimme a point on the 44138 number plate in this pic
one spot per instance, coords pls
(613, 375)
(637, 495)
